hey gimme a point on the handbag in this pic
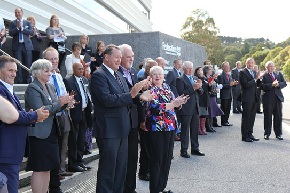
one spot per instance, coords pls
(61, 47)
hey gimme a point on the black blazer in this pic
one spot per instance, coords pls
(71, 84)
(111, 104)
(133, 108)
(171, 80)
(248, 86)
(226, 91)
(235, 76)
(269, 91)
(184, 86)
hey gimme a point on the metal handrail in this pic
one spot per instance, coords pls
(17, 61)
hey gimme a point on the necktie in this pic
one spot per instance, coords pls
(272, 77)
(252, 73)
(227, 76)
(20, 34)
(85, 91)
(179, 73)
(119, 81)
(191, 80)
(56, 85)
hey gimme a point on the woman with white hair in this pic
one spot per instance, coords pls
(160, 123)
(43, 137)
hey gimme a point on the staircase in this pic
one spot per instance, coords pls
(24, 177)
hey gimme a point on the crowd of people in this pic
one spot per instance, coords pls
(124, 107)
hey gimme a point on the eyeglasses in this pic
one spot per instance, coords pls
(157, 74)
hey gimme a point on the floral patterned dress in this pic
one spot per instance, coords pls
(157, 117)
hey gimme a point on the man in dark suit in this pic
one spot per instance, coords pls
(20, 29)
(80, 116)
(112, 100)
(189, 113)
(272, 84)
(236, 90)
(226, 93)
(11, 153)
(249, 81)
(173, 75)
(130, 74)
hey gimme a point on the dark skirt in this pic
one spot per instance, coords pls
(214, 110)
(43, 153)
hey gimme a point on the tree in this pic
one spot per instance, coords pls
(286, 70)
(199, 28)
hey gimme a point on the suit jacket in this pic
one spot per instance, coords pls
(185, 87)
(13, 136)
(171, 80)
(248, 86)
(27, 31)
(235, 76)
(110, 104)
(226, 91)
(270, 91)
(36, 97)
(76, 114)
(133, 109)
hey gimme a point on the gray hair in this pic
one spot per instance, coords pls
(154, 68)
(269, 62)
(39, 65)
(187, 64)
(123, 47)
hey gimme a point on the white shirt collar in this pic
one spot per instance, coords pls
(8, 86)
(110, 69)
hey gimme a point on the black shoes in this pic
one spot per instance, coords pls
(247, 139)
(145, 177)
(279, 137)
(167, 191)
(76, 169)
(210, 129)
(253, 138)
(184, 154)
(216, 125)
(84, 166)
(87, 152)
(266, 137)
(236, 112)
(197, 152)
(259, 112)
(227, 124)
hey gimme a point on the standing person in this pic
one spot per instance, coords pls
(259, 92)
(226, 93)
(51, 54)
(161, 124)
(75, 57)
(56, 37)
(2, 33)
(173, 75)
(272, 84)
(80, 116)
(249, 81)
(237, 106)
(98, 57)
(43, 137)
(35, 39)
(11, 153)
(20, 29)
(111, 98)
(130, 75)
(203, 102)
(144, 154)
(84, 41)
(161, 62)
(189, 113)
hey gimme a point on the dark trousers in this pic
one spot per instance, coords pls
(259, 99)
(273, 108)
(76, 142)
(189, 130)
(130, 183)
(160, 153)
(144, 157)
(25, 57)
(112, 164)
(226, 108)
(11, 171)
(248, 118)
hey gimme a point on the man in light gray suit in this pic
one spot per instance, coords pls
(20, 29)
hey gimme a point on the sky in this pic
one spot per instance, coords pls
(244, 19)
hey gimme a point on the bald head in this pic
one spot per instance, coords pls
(78, 69)
(161, 62)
